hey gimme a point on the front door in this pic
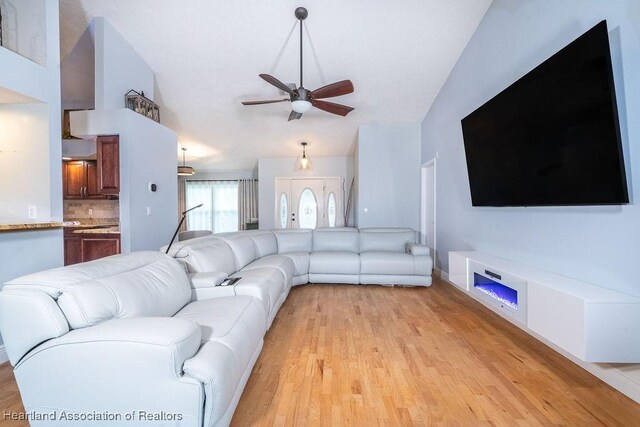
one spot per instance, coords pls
(308, 202)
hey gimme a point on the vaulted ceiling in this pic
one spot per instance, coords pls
(207, 55)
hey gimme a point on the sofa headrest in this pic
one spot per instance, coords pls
(335, 239)
(138, 284)
(242, 246)
(294, 240)
(204, 255)
(386, 239)
(264, 241)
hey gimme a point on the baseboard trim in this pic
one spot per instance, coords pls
(3, 355)
(610, 374)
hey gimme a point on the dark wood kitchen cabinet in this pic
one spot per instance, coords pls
(72, 249)
(94, 179)
(80, 180)
(108, 149)
(83, 247)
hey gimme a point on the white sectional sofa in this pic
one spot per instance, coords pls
(270, 262)
(135, 336)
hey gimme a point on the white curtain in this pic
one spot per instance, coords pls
(182, 203)
(247, 202)
(219, 212)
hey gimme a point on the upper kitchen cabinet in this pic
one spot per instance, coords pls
(108, 153)
(80, 180)
(91, 179)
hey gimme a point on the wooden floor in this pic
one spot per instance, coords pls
(370, 355)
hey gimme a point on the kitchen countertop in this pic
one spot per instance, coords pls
(99, 230)
(30, 226)
(91, 222)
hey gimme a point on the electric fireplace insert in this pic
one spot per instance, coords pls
(505, 293)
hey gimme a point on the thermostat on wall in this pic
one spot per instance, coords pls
(152, 187)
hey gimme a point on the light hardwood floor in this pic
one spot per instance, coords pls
(371, 355)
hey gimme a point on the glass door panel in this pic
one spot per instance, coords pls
(331, 210)
(308, 210)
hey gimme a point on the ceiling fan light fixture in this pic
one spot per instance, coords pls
(300, 106)
(185, 170)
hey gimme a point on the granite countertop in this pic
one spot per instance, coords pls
(99, 230)
(91, 222)
(30, 226)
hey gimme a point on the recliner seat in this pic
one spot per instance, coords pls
(121, 334)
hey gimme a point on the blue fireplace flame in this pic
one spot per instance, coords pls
(502, 293)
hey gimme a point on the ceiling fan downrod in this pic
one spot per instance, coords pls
(301, 13)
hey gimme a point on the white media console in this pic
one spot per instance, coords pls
(591, 323)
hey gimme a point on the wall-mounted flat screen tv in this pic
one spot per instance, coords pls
(552, 138)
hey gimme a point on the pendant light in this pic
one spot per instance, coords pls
(304, 163)
(185, 170)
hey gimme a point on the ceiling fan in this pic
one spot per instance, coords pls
(302, 99)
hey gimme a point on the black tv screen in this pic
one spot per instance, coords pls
(552, 138)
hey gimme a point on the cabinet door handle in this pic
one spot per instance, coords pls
(84, 192)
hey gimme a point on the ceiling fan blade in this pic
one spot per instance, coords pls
(294, 116)
(334, 89)
(272, 101)
(277, 83)
(332, 107)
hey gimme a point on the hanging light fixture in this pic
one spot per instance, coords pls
(185, 170)
(304, 163)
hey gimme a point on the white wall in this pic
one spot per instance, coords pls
(147, 154)
(271, 168)
(118, 68)
(25, 28)
(78, 74)
(147, 149)
(28, 252)
(24, 162)
(388, 177)
(598, 244)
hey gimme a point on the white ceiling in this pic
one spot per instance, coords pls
(207, 56)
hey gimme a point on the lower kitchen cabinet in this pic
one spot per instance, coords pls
(96, 246)
(87, 247)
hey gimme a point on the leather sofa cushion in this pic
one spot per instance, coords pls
(221, 317)
(335, 239)
(294, 240)
(300, 261)
(280, 262)
(27, 318)
(204, 255)
(264, 241)
(242, 246)
(334, 262)
(232, 331)
(386, 239)
(138, 284)
(394, 263)
(267, 278)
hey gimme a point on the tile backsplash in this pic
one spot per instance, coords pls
(81, 209)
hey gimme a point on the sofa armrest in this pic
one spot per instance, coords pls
(122, 365)
(206, 280)
(417, 250)
(178, 337)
